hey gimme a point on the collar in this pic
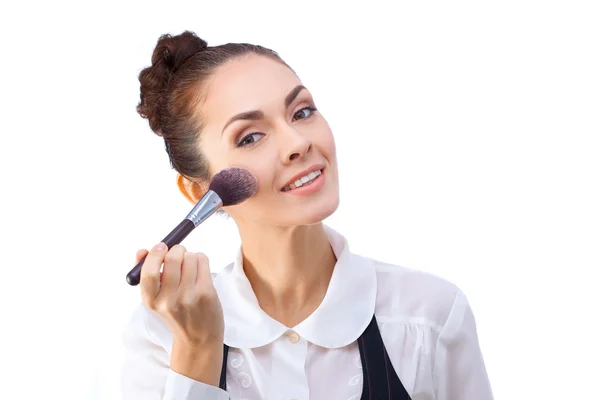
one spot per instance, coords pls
(338, 321)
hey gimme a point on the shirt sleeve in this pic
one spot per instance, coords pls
(459, 370)
(145, 372)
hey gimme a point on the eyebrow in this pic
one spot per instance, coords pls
(257, 114)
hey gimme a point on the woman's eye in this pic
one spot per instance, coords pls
(305, 112)
(250, 139)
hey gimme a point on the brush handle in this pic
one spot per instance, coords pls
(175, 237)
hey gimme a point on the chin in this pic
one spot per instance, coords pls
(317, 213)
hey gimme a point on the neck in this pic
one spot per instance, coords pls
(289, 269)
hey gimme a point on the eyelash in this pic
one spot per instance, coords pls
(312, 109)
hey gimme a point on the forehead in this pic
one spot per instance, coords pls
(249, 83)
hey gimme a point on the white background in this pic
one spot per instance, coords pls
(468, 131)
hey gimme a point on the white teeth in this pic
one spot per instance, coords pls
(303, 180)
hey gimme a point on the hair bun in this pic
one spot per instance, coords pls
(170, 53)
(176, 50)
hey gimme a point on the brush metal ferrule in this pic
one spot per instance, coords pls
(208, 204)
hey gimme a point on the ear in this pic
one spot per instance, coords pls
(193, 191)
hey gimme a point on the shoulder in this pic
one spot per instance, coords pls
(412, 296)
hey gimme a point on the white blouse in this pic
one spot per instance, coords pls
(426, 324)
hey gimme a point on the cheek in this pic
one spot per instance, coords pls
(260, 167)
(331, 145)
(326, 142)
(265, 179)
(213, 153)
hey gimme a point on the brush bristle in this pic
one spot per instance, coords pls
(234, 185)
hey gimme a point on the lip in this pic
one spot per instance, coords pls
(314, 167)
(307, 190)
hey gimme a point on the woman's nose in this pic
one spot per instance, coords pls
(294, 146)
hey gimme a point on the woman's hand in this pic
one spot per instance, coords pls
(184, 296)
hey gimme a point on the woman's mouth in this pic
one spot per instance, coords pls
(303, 181)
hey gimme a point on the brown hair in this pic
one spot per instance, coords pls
(171, 88)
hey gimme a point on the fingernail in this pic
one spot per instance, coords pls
(160, 247)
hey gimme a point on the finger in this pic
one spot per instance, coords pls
(204, 279)
(150, 276)
(140, 255)
(171, 274)
(189, 271)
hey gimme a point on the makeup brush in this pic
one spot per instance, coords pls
(228, 187)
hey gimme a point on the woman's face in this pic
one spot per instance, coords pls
(256, 115)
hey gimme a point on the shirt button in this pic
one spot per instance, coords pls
(293, 337)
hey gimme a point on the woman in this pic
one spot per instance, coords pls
(296, 315)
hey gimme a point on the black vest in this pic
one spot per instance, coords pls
(379, 378)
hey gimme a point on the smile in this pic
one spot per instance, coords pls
(303, 181)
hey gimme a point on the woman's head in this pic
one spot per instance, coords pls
(241, 105)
